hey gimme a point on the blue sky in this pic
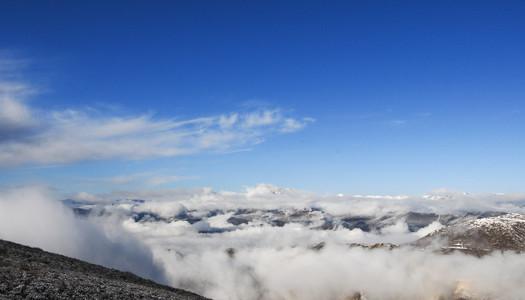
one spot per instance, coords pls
(360, 97)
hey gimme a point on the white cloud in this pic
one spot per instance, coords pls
(292, 125)
(11, 66)
(227, 122)
(269, 262)
(267, 196)
(71, 135)
(276, 262)
(15, 115)
(262, 118)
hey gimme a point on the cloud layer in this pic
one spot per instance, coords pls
(267, 196)
(29, 136)
(263, 261)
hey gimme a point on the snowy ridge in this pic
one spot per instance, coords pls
(480, 236)
(474, 232)
(507, 220)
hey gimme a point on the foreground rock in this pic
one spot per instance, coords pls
(31, 273)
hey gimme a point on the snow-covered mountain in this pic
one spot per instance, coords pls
(480, 236)
(473, 232)
(311, 217)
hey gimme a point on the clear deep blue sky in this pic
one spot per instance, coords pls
(407, 96)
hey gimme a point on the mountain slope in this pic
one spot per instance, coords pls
(480, 236)
(31, 273)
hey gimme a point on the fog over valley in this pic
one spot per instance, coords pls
(272, 243)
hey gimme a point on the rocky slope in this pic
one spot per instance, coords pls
(480, 236)
(31, 273)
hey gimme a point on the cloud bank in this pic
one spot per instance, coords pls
(267, 196)
(255, 260)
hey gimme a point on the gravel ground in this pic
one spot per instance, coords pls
(31, 273)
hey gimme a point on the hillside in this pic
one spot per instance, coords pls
(31, 273)
(480, 236)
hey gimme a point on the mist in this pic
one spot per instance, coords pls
(254, 259)
(337, 272)
(32, 216)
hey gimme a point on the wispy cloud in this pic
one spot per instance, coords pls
(122, 179)
(292, 125)
(396, 123)
(61, 137)
(390, 119)
(147, 179)
(160, 180)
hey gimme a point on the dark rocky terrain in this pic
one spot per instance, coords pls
(31, 273)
